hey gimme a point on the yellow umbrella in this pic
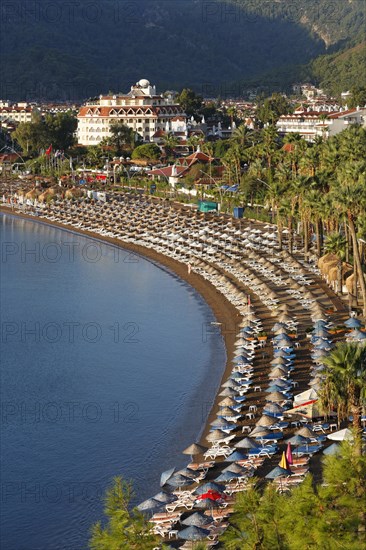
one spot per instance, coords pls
(284, 464)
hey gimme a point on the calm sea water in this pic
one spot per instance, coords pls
(106, 369)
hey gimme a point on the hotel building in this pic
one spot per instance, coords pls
(141, 109)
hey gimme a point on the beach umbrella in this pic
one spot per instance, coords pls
(166, 475)
(228, 401)
(277, 373)
(333, 449)
(228, 392)
(246, 443)
(323, 345)
(289, 457)
(283, 462)
(165, 498)
(207, 504)
(356, 335)
(278, 327)
(265, 420)
(221, 423)
(282, 337)
(276, 397)
(259, 431)
(234, 468)
(195, 449)
(228, 475)
(209, 486)
(241, 360)
(216, 435)
(282, 383)
(273, 408)
(305, 432)
(246, 330)
(352, 322)
(280, 362)
(193, 533)
(274, 387)
(278, 472)
(298, 440)
(233, 384)
(198, 519)
(341, 435)
(211, 495)
(320, 324)
(179, 480)
(227, 411)
(149, 504)
(235, 456)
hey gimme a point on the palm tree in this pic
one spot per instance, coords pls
(231, 112)
(240, 136)
(344, 387)
(349, 197)
(269, 144)
(314, 203)
(169, 143)
(194, 141)
(335, 243)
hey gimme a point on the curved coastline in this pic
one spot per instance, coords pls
(224, 312)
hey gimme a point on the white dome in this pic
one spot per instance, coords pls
(144, 83)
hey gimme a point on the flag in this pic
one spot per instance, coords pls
(49, 150)
(248, 300)
(283, 463)
(289, 454)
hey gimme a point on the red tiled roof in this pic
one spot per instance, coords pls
(159, 133)
(167, 171)
(342, 113)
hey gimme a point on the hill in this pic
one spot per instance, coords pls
(339, 72)
(73, 50)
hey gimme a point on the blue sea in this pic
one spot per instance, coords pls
(108, 367)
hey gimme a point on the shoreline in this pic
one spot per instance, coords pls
(224, 312)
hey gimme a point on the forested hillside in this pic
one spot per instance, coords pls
(66, 50)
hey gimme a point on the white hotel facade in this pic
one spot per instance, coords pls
(141, 109)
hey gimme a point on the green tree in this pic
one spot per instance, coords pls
(31, 137)
(170, 142)
(344, 386)
(231, 112)
(125, 530)
(60, 130)
(349, 197)
(270, 110)
(190, 102)
(149, 151)
(335, 243)
(358, 97)
(123, 137)
(256, 521)
(327, 516)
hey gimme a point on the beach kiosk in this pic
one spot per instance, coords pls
(207, 206)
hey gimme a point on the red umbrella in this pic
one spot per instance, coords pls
(289, 454)
(213, 495)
